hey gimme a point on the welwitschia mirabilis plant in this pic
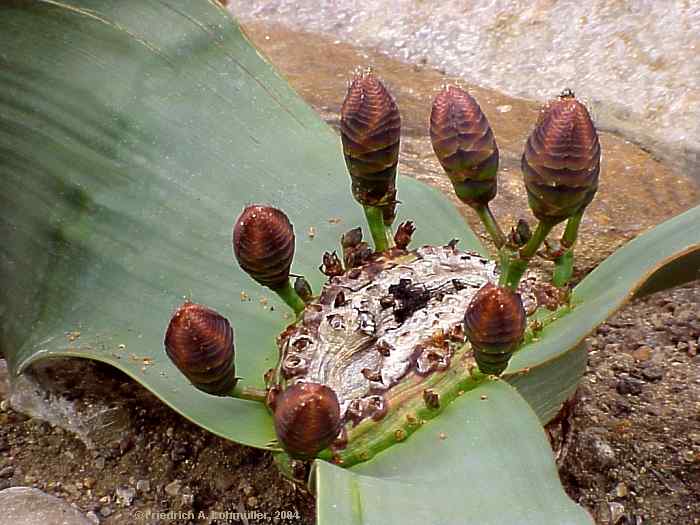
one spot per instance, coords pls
(131, 136)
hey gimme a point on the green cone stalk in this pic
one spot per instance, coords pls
(560, 165)
(303, 289)
(465, 146)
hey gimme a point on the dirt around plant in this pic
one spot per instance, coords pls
(633, 455)
(159, 468)
(635, 448)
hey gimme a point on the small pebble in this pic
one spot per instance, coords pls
(617, 512)
(653, 410)
(143, 486)
(188, 500)
(643, 353)
(621, 490)
(629, 386)
(93, 517)
(602, 453)
(106, 511)
(178, 452)
(652, 373)
(173, 488)
(690, 456)
(602, 513)
(7, 472)
(125, 496)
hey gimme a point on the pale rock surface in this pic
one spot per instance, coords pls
(29, 506)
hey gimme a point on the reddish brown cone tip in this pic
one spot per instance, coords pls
(307, 418)
(199, 341)
(459, 130)
(369, 118)
(464, 144)
(561, 161)
(263, 243)
(370, 129)
(495, 324)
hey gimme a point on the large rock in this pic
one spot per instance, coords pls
(70, 394)
(28, 506)
(635, 63)
(637, 191)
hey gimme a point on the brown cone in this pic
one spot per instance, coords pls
(199, 342)
(263, 243)
(495, 323)
(561, 162)
(465, 146)
(307, 418)
(370, 128)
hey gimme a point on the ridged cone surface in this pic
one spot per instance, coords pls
(370, 126)
(561, 162)
(495, 319)
(263, 243)
(307, 418)
(464, 144)
(199, 341)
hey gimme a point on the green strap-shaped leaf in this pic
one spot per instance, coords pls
(665, 256)
(546, 371)
(132, 134)
(484, 461)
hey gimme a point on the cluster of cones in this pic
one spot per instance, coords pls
(560, 164)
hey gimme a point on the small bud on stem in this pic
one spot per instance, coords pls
(403, 235)
(199, 341)
(495, 324)
(263, 243)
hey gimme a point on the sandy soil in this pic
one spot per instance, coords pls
(632, 450)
